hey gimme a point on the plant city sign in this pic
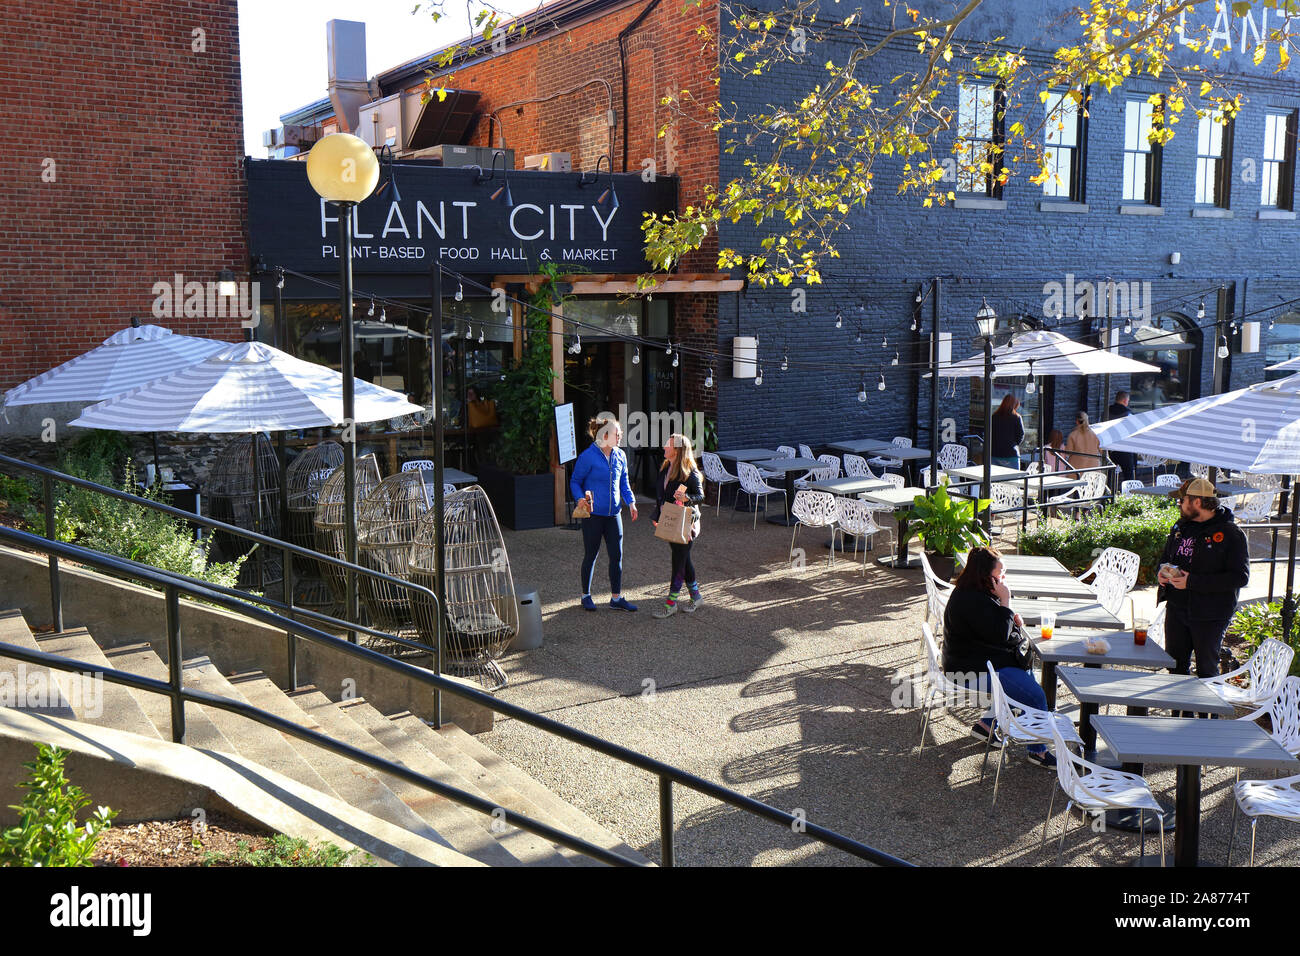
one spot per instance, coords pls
(448, 214)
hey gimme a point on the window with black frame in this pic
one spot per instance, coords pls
(1171, 343)
(1277, 175)
(1064, 144)
(981, 110)
(1143, 159)
(1214, 159)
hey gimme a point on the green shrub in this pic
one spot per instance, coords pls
(1137, 523)
(289, 851)
(47, 833)
(1259, 620)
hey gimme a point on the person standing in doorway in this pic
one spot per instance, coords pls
(1126, 460)
(600, 476)
(1204, 566)
(1008, 433)
(680, 481)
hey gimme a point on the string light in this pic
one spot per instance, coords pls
(708, 382)
(636, 356)
(383, 314)
(880, 385)
(914, 323)
(279, 280)
(1128, 326)
(758, 379)
(469, 330)
(858, 338)
(839, 320)
(862, 390)
(918, 295)
(884, 344)
(674, 361)
(460, 291)
(1031, 386)
(895, 361)
(785, 362)
(669, 350)
(480, 334)
(371, 310)
(1223, 346)
(1200, 310)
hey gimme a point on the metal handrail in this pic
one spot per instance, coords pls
(288, 549)
(173, 585)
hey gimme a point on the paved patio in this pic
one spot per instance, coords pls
(780, 687)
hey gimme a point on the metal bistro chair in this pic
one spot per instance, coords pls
(805, 451)
(884, 461)
(855, 466)
(1098, 789)
(1130, 486)
(752, 483)
(418, 464)
(1168, 481)
(1008, 499)
(1270, 797)
(1267, 669)
(830, 468)
(716, 473)
(1114, 574)
(937, 592)
(814, 509)
(1151, 462)
(941, 689)
(786, 451)
(952, 456)
(304, 479)
(857, 518)
(1083, 497)
(1017, 723)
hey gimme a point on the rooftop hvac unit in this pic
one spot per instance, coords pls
(380, 122)
(550, 162)
(480, 156)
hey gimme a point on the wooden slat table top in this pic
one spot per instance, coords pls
(1068, 613)
(1193, 741)
(1067, 648)
(1176, 691)
(848, 486)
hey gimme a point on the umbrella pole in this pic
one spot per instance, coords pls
(439, 435)
(1288, 599)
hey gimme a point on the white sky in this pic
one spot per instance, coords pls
(282, 49)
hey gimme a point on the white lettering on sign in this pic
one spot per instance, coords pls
(422, 213)
(395, 210)
(604, 223)
(573, 233)
(515, 212)
(356, 225)
(465, 207)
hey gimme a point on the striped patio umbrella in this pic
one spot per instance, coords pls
(127, 359)
(249, 387)
(1255, 429)
(1290, 365)
(1051, 354)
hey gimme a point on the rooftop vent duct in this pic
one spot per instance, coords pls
(349, 88)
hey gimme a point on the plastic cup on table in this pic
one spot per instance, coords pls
(1047, 624)
(1139, 631)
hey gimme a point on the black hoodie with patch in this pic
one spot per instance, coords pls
(1217, 562)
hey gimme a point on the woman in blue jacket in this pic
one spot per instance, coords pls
(600, 476)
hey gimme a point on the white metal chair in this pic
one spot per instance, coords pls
(1198, 471)
(1152, 462)
(940, 688)
(937, 592)
(830, 468)
(1017, 723)
(1168, 481)
(786, 451)
(448, 489)
(752, 483)
(1258, 508)
(1267, 669)
(1264, 797)
(952, 455)
(1007, 499)
(716, 473)
(1130, 486)
(814, 509)
(1085, 496)
(418, 464)
(1099, 789)
(884, 461)
(1114, 574)
(855, 466)
(857, 518)
(806, 452)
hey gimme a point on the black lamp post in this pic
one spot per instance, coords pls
(343, 170)
(986, 321)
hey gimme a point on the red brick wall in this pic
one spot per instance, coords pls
(664, 55)
(146, 137)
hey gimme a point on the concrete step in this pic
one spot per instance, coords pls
(104, 704)
(200, 731)
(558, 811)
(493, 786)
(358, 785)
(461, 827)
(527, 847)
(25, 686)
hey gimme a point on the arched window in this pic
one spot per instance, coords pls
(1283, 343)
(1173, 343)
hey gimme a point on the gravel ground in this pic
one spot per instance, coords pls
(785, 686)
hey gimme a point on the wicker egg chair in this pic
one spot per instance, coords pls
(386, 523)
(331, 519)
(482, 611)
(233, 490)
(303, 481)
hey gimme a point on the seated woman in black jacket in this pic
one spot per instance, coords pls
(979, 627)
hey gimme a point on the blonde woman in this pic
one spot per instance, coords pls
(600, 476)
(1083, 447)
(680, 481)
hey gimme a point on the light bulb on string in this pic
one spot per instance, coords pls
(674, 361)
(708, 381)
(914, 323)
(1031, 386)
(1223, 346)
(1128, 326)
(577, 343)
(758, 379)
(636, 356)
(469, 330)
(895, 361)
(480, 334)
(884, 344)
(383, 314)
(858, 338)
(1200, 310)
(1270, 324)
(880, 385)
(918, 296)
(785, 362)
(669, 350)
(862, 390)
(839, 320)
(371, 310)
(279, 280)
(460, 291)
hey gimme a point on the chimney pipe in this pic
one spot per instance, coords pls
(349, 88)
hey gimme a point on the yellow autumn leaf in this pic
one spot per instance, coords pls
(1206, 86)
(1260, 52)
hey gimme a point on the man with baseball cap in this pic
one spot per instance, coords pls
(1204, 565)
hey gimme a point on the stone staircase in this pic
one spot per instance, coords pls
(448, 755)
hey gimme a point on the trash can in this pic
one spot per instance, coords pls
(530, 623)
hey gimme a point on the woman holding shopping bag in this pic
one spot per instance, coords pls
(600, 486)
(680, 483)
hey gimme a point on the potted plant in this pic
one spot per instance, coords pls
(520, 485)
(945, 526)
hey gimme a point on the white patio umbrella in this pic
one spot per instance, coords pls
(1255, 429)
(126, 360)
(248, 387)
(1051, 354)
(1290, 365)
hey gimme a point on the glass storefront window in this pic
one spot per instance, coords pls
(1168, 343)
(1283, 343)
